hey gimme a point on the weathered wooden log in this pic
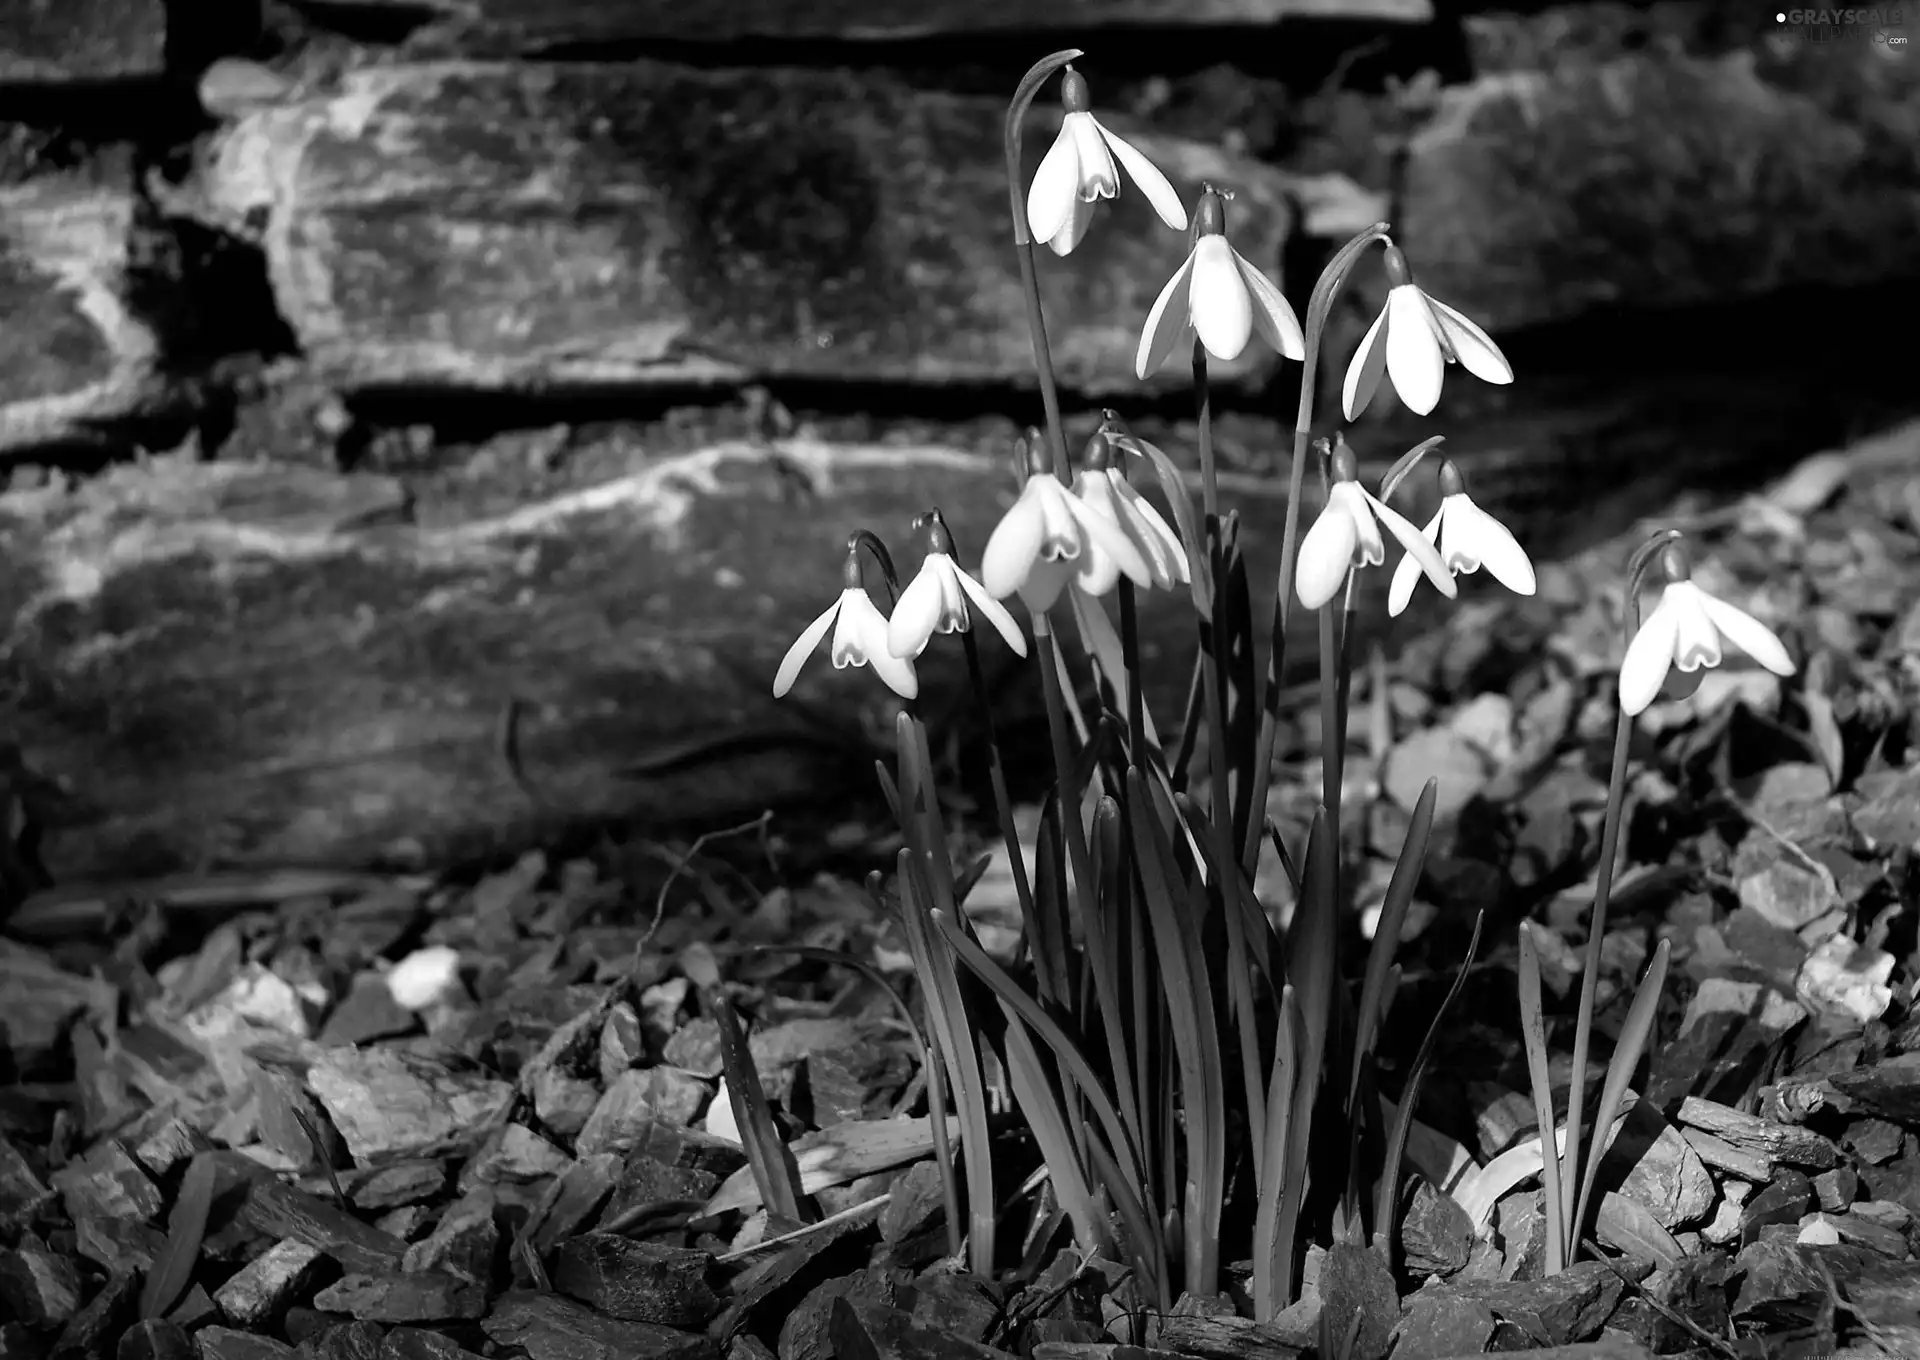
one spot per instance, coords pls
(75, 354)
(245, 662)
(542, 227)
(530, 25)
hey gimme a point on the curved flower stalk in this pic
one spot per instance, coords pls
(1218, 297)
(1079, 170)
(1687, 629)
(1412, 341)
(1468, 538)
(1347, 535)
(1048, 537)
(936, 599)
(859, 630)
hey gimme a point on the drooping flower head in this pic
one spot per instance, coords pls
(859, 630)
(1047, 537)
(1468, 538)
(1219, 297)
(935, 601)
(1078, 171)
(1412, 341)
(1347, 535)
(1101, 484)
(1687, 629)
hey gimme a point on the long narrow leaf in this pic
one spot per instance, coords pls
(947, 1017)
(1626, 1057)
(1312, 964)
(186, 1230)
(774, 1171)
(1386, 933)
(1174, 911)
(1040, 1100)
(1065, 1051)
(1272, 1257)
(1533, 1037)
(1388, 1191)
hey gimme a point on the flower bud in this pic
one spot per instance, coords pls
(1098, 455)
(1452, 483)
(1075, 97)
(1344, 465)
(1399, 274)
(1210, 213)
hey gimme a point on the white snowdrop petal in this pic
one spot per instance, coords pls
(1166, 321)
(1414, 360)
(1222, 311)
(1073, 231)
(1147, 175)
(1696, 642)
(1273, 315)
(1747, 633)
(915, 614)
(1363, 373)
(1056, 184)
(803, 647)
(1416, 543)
(1326, 556)
(1649, 657)
(1106, 535)
(1098, 177)
(1406, 573)
(865, 627)
(1014, 544)
(1472, 346)
(1489, 543)
(994, 612)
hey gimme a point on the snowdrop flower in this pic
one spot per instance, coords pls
(1413, 340)
(859, 637)
(1078, 171)
(1047, 537)
(1101, 485)
(1217, 296)
(1468, 538)
(935, 601)
(1687, 628)
(1347, 535)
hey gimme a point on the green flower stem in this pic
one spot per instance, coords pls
(1130, 656)
(1023, 247)
(996, 771)
(1570, 1168)
(1319, 307)
(1213, 639)
(1073, 830)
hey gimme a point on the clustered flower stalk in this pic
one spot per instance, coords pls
(1136, 888)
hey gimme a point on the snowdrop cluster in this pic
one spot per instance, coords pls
(1088, 533)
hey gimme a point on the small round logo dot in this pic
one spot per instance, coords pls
(1780, 18)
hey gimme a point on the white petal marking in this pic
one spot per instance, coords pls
(1472, 346)
(1363, 372)
(1222, 310)
(1649, 657)
(1414, 360)
(1055, 185)
(1166, 321)
(1750, 635)
(1147, 175)
(803, 647)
